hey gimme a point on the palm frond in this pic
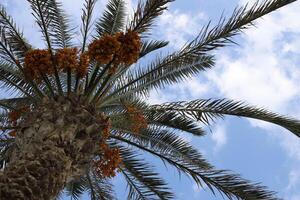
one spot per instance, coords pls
(149, 46)
(172, 69)
(171, 147)
(113, 18)
(6, 51)
(13, 35)
(205, 110)
(174, 121)
(75, 189)
(241, 19)
(234, 187)
(143, 182)
(53, 22)
(12, 79)
(86, 19)
(146, 13)
(59, 25)
(230, 185)
(134, 192)
(99, 188)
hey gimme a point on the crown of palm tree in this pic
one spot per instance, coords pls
(101, 76)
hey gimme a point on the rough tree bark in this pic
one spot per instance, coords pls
(55, 144)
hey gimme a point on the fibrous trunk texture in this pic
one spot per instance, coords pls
(55, 144)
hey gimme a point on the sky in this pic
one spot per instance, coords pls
(263, 70)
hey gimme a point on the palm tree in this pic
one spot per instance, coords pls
(78, 114)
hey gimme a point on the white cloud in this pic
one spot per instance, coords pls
(293, 185)
(295, 197)
(219, 137)
(177, 27)
(291, 145)
(294, 179)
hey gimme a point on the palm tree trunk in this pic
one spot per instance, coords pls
(54, 146)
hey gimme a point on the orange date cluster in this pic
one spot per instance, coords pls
(137, 119)
(109, 160)
(120, 48)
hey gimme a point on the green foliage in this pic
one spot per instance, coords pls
(86, 19)
(142, 181)
(208, 110)
(152, 45)
(12, 34)
(113, 18)
(98, 188)
(146, 13)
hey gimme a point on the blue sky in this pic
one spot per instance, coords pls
(263, 70)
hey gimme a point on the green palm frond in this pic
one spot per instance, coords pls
(99, 188)
(43, 18)
(241, 19)
(11, 79)
(149, 46)
(143, 182)
(53, 22)
(230, 185)
(59, 26)
(160, 73)
(207, 110)
(233, 186)
(146, 13)
(165, 145)
(75, 188)
(174, 121)
(13, 35)
(86, 19)
(134, 192)
(113, 19)
(6, 52)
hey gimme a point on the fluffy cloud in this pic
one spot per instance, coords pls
(177, 27)
(219, 137)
